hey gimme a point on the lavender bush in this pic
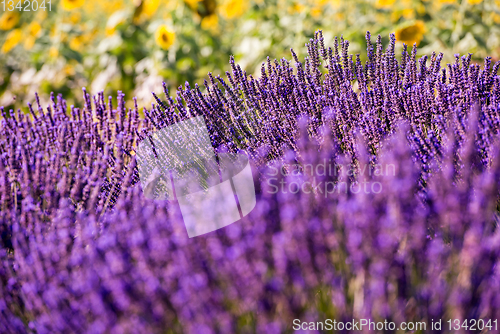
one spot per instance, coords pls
(83, 251)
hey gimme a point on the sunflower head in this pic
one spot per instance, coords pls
(76, 43)
(9, 20)
(72, 4)
(233, 8)
(34, 29)
(13, 38)
(164, 37)
(210, 22)
(53, 52)
(411, 34)
(145, 10)
(384, 3)
(193, 4)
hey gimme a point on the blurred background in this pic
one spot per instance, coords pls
(133, 46)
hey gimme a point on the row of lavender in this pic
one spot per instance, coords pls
(83, 251)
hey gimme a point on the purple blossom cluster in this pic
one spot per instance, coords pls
(83, 250)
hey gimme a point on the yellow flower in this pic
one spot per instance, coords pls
(320, 3)
(75, 17)
(447, 1)
(296, 8)
(72, 4)
(395, 15)
(53, 52)
(145, 10)
(316, 12)
(164, 37)
(421, 9)
(13, 38)
(29, 42)
(210, 22)
(9, 20)
(475, 2)
(34, 29)
(69, 70)
(411, 34)
(193, 4)
(233, 8)
(63, 36)
(495, 17)
(408, 13)
(150, 7)
(109, 31)
(384, 3)
(76, 43)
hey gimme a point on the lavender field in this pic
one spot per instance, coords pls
(84, 251)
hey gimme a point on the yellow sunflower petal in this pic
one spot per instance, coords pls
(411, 34)
(164, 37)
(9, 20)
(13, 38)
(72, 4)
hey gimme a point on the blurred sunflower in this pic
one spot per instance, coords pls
(13, 38)
(320, 3)
(53, 52)
(76, 43)
(203, 8)
(193, 4)
(145, 10)
(316, 11)
(34, 30)
(495, 17)
(75, 17)
(475, 2)
(395, 15)
(411, 34)
(210, 22)
(296, 8)
(233, 8)
(164, 37)
(408, 13)
(69, 69)
(8, 20)
(150, 7)
(384, 3)
(72, 4)
(421, 9)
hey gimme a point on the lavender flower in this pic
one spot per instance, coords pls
(84, 251)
